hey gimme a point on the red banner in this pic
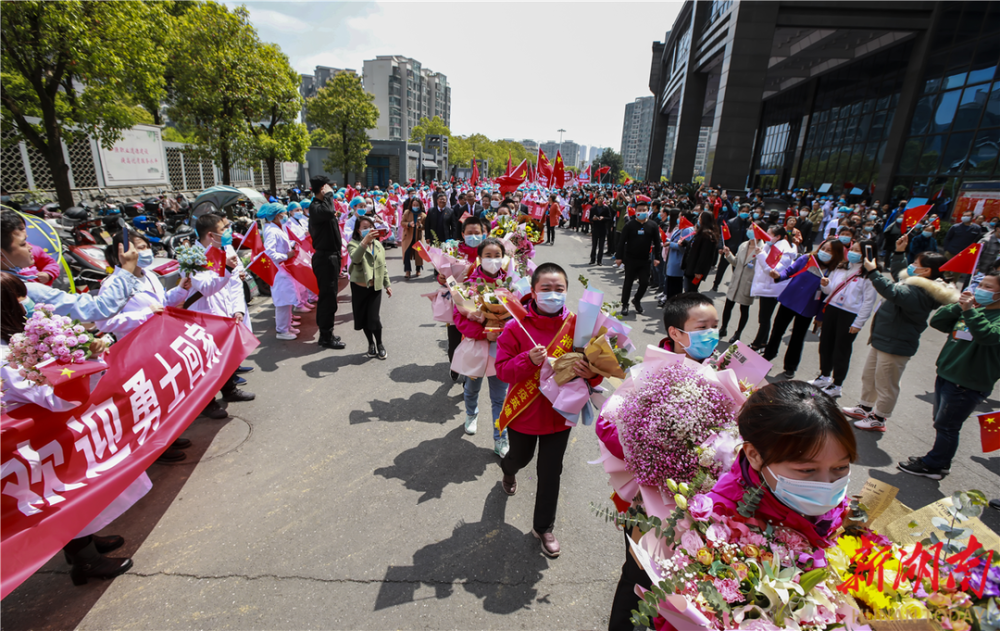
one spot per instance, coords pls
(61, 469)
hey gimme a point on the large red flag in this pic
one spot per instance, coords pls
(301, 270)
(684, 223)
(544, 167)
(726, 236)
(305, 243)
(913, 216)
(216, 260)
(264, 267)
(773, 256)
(475, 172)
(559, 172)
(965, 262)
(603, 170)
(510, 167)
(989, 430)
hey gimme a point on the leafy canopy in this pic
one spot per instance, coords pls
(343, 112)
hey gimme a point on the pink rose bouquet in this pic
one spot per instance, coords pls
(48, 336)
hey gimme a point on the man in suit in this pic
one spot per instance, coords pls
(440, 222)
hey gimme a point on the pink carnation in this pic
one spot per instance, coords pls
(700, 507)
(691, 542)
(718, 533)
(729, 588)
(754, 538)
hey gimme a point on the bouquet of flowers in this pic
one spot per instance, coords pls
(450, 248)
(533, 233)
(523, 248)
(505, 226)
(48, 336)
(191, 259)
(487, 299)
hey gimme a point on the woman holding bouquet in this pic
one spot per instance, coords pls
(521, 349)
(473, 327)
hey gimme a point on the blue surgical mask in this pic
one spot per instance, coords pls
(911, 270)
(846, 240)
(473, 240)
(869, 228)
(226, 238)
(284, 220)
(899, 219)
(927, 234)
(642, 216)
(299, 215)
(854, 257)
(824, 257)
(966, 219)
(749, 233)
(703, 343)
(364, 232)
(756, 215)
(146, 256)
(29, 307)
(810, 498)
(744, 215)
(361, 211)
(984, 297)
(550, 302)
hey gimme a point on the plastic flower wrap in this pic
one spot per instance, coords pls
(191, 259)
(505, 226)
(47, 336)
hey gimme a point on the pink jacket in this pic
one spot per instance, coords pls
(513, 367)
(43, 263)
(730, 489)
(468, 328)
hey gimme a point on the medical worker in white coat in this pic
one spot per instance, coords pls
(294, 225)
(279, 248)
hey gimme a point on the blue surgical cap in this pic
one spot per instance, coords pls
(269, 211)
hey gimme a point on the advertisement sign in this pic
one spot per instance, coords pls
(136, 159)
(289, 172)
(982, 198)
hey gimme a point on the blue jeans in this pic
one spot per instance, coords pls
(498, 391)
(952, 405)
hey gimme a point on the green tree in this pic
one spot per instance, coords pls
(72, 69)
(218, 84)
(278, 137)
(425, 127)
(613, 159)
(343, 111)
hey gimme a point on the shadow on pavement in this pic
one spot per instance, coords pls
(489, 559)
(49, 600)
(437, 407)
(434, 464)
(333, 361)
(869, 451)
(415, 373)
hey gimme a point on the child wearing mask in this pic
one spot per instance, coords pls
(520, 353)
(368, 278)
(850, 298)
(490, 271)
(968, 368)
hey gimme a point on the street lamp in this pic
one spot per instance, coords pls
(561, 132)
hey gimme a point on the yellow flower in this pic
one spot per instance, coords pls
(960, 625)
(939, 599)
(751, 550)
(913, 609)
(704, 556)
(741, 570)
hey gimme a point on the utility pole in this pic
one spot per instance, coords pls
(561, 132)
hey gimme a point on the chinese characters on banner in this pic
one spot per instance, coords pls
(137, 158)
(59, 470)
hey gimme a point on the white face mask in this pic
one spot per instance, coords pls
(810, 498)
(492, 266)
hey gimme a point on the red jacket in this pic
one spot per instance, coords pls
(43, 263)
(554, 212)
(470, 254)
(468, 328)
(513, 367)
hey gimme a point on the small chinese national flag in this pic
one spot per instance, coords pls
(252, 240)
(300, 268)
(773, 256)
(513, 305)
(810, 265)
(760, 234)
(264, 267)
(67, 380)
(419, 249)
(989, 430)
(216, 260)
(684, 223)
(726, 236)
(964, 262)
(913, 216)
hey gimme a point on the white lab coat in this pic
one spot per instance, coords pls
(763, 285)
(138, 309)
(236, 296)
(278, 245)
(216, 296)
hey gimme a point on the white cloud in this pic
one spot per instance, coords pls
(265, 18)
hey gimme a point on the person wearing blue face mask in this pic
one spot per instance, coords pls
(738, 227)
(413, 232)
(279, 248)
(638, 237)
(303, 296)
(923, 241)
(368, 278)
(961, 235)
(968, 368)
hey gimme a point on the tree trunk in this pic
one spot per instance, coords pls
(271, 175)
(224, 160)
(56, 160)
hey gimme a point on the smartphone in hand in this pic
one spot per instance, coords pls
(126, 242)
(869, 252)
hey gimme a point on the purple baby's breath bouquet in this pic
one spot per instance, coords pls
(664, 422)
(47, 336)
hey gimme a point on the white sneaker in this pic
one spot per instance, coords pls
(286, 336)
(302, 309)
(871, 423)
(822, 382)
(470, 424)
(855, 412)
(501, 446)
(832, 390)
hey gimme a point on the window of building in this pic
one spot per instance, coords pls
(717, 10)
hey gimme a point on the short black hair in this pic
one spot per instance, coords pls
(492, 241)
(932, 261)
(111, 251)
(475, 221)
(10, 222)
(206, 223)
(316, 183)
(675, 311)
(547, 268)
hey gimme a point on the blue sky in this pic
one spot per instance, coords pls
(516, 70)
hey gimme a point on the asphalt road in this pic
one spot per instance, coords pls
(347, 496)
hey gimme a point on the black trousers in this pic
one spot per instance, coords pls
(597, 246)
(551, 234)
(723, 265)
(765, 309)
(625, 598)
(612, 242)
(635, 270)
(727, 312)
(548, 468)
(454, 338)
(690, 285)
(326, 267)
(675, 285)
(836, 343)
(793, 354)
(585, 227)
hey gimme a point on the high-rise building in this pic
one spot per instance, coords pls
(595, 153)
(404, 93)
(636, 130)
(311, 83)
(570, 153)
(530, 146)
(582, 160)
(549, 147)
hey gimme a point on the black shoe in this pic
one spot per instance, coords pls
(624, 310)
(171, 455)
(788, 375)
(109, 543)
(592, 263)
(638, 306)
(995, 504)
(215, 411)
(723, 333)
(237, 396)
(180, 443)
(240, 381)
(917, 467)
(334, 343)
(914, 459)
(372, 351)
(381, 352)
(242, 370)
(454, 376)
(88, 563)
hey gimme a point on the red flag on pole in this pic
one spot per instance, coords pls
(760, 234)
(773, 256)
(559, 172)
(603, 170)
(510, 167)
(989, 430)
(544, 167)
(684, 223)
(515, 309)
(305, 244)
(301, 270)
(811, 264)
(726, 236)
(475, 172)
(264, 267)
(627, 181)
(252, 240)
(965, 262)
(914, 215)
(419, 249)
(216, 260)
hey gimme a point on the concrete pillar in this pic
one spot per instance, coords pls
(689, 126)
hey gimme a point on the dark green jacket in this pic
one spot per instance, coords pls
(975, 363)
(902, 317)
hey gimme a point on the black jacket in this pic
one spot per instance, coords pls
(700, 255)
(323, 226)
(602, 225)
(440, 224)
(737, 232)
(637, 240)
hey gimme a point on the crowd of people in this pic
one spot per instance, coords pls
(823, 264)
